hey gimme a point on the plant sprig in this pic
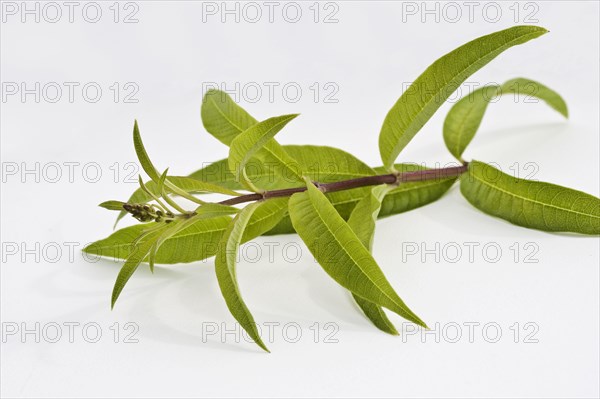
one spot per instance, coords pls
(331, 198)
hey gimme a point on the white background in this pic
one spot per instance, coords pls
(369, 54)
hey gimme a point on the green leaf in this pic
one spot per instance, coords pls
(365, 213)
(205, 211)
(196, 242)
(320, 163)
(340, 252)
(142, 155)
(223, 118)
(376, 314)
(464, 118)
(225, 263)
(531, 88)
(266, 216)
(362, 222)
(432, 88)
(211, 210)
(112, 205)
(137, 255)
(226, 120)
(532, 204)
(250, 141)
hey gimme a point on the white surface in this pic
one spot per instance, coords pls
(368, 54)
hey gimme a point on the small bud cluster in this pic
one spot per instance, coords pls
(148, 212)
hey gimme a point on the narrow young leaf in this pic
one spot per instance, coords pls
(142, 155)
(464, 118)
(362, 222)
(429, 91)
(112, 205)
(156, 178)
(225, 262)
(184, 183)
(532, 204)
(246, 145)
(139, 253)
(340, 252)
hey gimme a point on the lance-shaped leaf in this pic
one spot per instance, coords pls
(182, 186)
(362, 222)
(250, 141)
(532, 204)
(139, 253)
(464, 118)
(429, 91)
(225, 265)
(340, 252)
(196, 242)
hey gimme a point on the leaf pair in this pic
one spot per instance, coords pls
(247, 138)
(254, 139)
(433, 87)
(466, 115)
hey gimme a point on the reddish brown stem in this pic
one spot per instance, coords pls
(392, 178)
